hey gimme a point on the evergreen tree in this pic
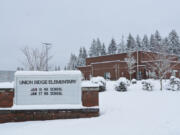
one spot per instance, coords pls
(93, 49)
(174, 42)
(112, 47)
(55, 68)
(80, 60)
(145, 43)
(138, 43)
(165, 44)
(84, 56)
(121, 47)
(103, 50)
(72, 65)
(131, 44)
(58, 68)
(98, 47)
(152, 43)
(158, 41)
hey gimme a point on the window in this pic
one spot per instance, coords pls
(107, 75)
(174, 73)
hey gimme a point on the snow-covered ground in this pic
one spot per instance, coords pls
(135, 112)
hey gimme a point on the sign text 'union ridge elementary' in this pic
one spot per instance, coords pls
(36, 88)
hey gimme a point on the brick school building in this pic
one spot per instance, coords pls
(114, 66)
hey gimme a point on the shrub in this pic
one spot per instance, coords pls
(134, 81)
(147, 85)
(173, 84)
(122, 84)
(100, 81)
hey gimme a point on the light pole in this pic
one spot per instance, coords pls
(137, 57)
(47, 46)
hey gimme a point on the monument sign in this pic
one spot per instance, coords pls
(41, 88)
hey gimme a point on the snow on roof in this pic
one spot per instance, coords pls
(63, 72)
(6, 85)
(107, 62)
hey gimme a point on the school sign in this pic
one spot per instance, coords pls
(41, 88)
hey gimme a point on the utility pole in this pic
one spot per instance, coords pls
(137, 57)
(47, 46)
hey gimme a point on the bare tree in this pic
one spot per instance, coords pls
(161, 63)
(130, 64)
(35, 59)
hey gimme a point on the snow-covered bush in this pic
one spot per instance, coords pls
(100, 81)
(147, 85)
(122, 84)
(134, 81)
(173, 84)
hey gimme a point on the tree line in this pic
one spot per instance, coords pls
(153, 43)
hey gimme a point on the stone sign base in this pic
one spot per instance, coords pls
(47, 114)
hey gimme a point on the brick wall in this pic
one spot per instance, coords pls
(32, 115)
(90, 96)
(6, 98)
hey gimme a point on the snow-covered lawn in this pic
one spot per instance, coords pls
(135, 112)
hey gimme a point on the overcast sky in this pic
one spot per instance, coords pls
(69, 24)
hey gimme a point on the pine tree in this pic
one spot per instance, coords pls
(121, 47)
(93, 49)
(174, 42)
(80, 60)
(72, 65)
(98, 47)
(138, 43)
(131, 44)
(165, 45)
(84, 53)
(152, 43)
(84, 56)
(103, 50)
(55, 68)
(58, 68)
(158, 41)
(112, 47)
(145, 43)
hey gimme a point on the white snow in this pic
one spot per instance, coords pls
(89, 84)
(41, 107)
(64, 72)
(135, 112)
(6, 85)
(98, 80)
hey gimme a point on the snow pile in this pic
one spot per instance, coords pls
(89, 84)
(6, 85)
